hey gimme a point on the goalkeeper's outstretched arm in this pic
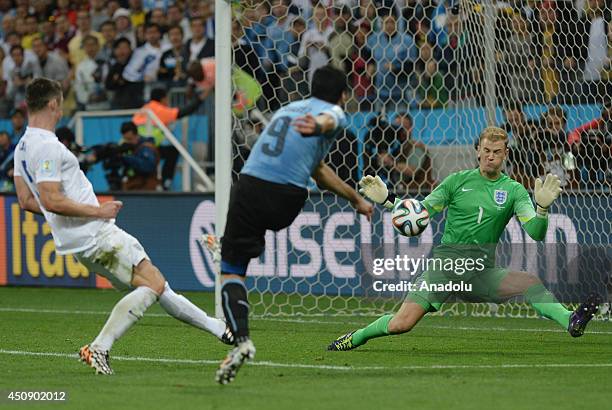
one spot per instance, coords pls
(535, 222)
(327, 179)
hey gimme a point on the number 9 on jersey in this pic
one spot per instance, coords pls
(409, 217)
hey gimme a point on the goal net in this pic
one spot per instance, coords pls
(426, 78)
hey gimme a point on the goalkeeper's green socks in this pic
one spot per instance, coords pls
(547, 305)
(377, 328)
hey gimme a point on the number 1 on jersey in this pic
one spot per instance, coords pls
(480, 212)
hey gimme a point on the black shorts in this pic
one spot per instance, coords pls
(256, 206)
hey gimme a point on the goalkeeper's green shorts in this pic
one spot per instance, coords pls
(480, 286)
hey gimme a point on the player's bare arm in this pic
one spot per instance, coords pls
(311, 125)
(53, 200)
(326, 178)
(26, 199)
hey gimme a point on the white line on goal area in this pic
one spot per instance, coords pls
(307, 321)
(317, 366)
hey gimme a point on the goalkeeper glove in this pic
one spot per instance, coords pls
(375, 190)
(546, 192)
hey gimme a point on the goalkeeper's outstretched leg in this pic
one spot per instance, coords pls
(409, 314)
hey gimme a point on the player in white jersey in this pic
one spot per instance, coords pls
(49, 182)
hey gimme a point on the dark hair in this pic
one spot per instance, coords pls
(108, 23)
(196, 18)
(65, 134)
(40, 91)
(157, 94)
(176, 27)
(328, 84)
(129, 126)
(90, 37)
(16, 47)
(157, 26)
(120, 40)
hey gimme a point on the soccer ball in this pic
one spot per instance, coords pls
(409, 217)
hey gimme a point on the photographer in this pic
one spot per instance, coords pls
(129, 166)
(140, 160)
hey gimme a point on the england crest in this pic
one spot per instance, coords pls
(500, 196)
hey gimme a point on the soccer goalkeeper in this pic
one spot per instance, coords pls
(480, 204)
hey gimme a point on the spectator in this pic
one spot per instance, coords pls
(8, 64)
(98, 14)
(18, 121)
(520, 65)
(47, 32)
(594, 90)
(341, 40)
(111, 7)
(125, 94)
(75, 46)
(140, 162)
(176, 17)
(394, 53)
(571, 39)
(108, 29)
(550, 76)
(20, 76)
(64, 32)
(64, 8)
(167, 115)
(123, 24)
(362, 68)
(172, 66)
(31, 32)
(244, 54)
(431, 90)
(292, 66)
(89, 81)
(592, 145)
(6, 105)
(158, 16)
(522, 156)
(555, 154)
(52, 65)
(7, 149)
(137, 13)
(276, 33)
(413, 161)
(198, 46)
(8, 25)
(315, 41)
(144, 63)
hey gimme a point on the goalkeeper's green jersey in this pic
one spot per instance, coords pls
(479, 209)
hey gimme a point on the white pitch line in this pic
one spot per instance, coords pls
(306, 321)
(317, 366)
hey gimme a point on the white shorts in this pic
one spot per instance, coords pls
(114, 256)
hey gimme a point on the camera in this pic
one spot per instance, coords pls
(111, 157)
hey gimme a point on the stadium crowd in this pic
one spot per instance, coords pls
(398, 54)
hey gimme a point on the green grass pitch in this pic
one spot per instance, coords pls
(445, 363)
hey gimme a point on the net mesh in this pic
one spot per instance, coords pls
(426, 77)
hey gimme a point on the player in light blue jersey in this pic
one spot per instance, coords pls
(271, 192)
